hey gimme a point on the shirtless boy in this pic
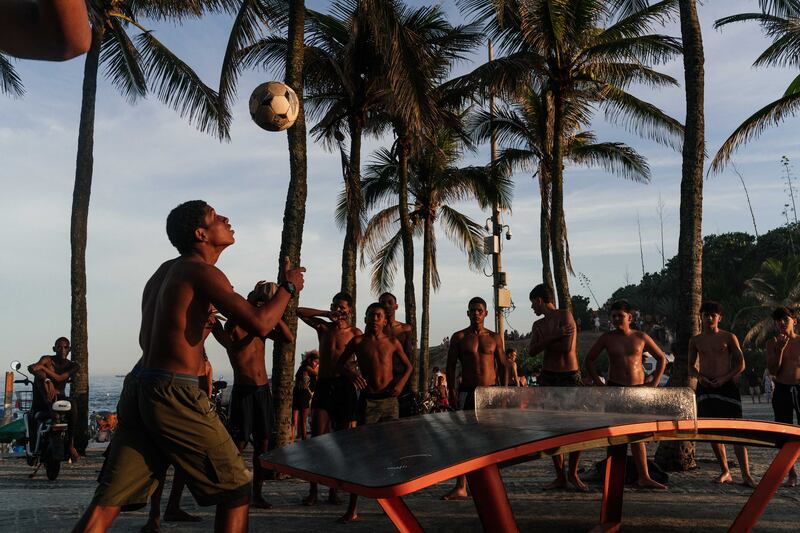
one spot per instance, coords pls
(625, 348)
(375, 353)
(715, 359)
(51, 374)
(555, 334)
(164, 417)
(333, 406)
(479, 351)
(402, 332)
(251, 398)
(783, 362)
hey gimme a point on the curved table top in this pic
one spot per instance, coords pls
(399, 457)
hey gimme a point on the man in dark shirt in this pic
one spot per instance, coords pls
(50, 376)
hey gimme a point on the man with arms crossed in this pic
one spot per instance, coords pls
(555, 334)
(478, 350)
(715, 359)
(333, 406)
(375, 353)
(251, 398)
(402, 332)
(783, 362)
(625, 348)
(164, 417)
(50, 375)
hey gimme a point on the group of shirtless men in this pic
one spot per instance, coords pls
(165, 418)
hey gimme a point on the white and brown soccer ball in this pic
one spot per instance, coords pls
(274, 106)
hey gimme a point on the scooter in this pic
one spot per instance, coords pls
(45, 433)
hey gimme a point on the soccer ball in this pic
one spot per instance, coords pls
(274, 106)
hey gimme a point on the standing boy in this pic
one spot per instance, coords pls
(479, 351)
(375, 353)
(333, 406)
(555, 334)
(783, 362)
(715, 359)
(625, 348)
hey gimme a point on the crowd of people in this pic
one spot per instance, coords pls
(355, 377)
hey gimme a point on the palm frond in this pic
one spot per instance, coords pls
(385, 263)
(643, 118)
(616, 158)
(771, 114)
(179, 87)
(123, 62)
(10, 82)
(465, 233)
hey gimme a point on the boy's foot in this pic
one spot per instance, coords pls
(456, 494)
(153, 525)
(309, 500)
(179, 515)
(348, 517)
(650, 484)
(724, 477)
(748, 481)
(557, 483)
(260, 503)
(578, 484)
(74, 455)
(791, 482)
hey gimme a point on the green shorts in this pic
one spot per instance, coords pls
(166, 419)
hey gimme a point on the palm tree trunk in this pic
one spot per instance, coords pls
(690, 244)
(557, 205)
(84, 166)
(544, 227)
(403, 146)
(427, 258)
(353, 231)
(294, 215)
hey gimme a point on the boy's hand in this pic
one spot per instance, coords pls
(780, 342)
(358, 381)
(293, 275)
(397, 390)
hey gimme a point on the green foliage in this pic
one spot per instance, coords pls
(580, 310)
(744, 275)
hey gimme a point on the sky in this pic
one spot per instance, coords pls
(147, 160)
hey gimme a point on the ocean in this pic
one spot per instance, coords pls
(104, 392)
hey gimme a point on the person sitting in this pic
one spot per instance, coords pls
(50, 376)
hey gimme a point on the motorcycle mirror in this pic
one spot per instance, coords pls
(16, 365)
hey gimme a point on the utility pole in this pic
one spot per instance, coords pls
(501, 294)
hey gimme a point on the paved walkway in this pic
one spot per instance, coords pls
(692, 502)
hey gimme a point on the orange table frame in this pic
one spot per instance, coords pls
(489, 493)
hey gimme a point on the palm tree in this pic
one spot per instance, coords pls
(419, 47)
(10, 83)
(777, 284)
(523, 129)
(779, 20)
(577, 51)
(342, 91)
(133, 68)
(435, 183)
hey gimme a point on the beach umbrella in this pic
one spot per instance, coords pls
(13, 431)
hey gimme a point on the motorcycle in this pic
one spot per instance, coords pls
(45, 432)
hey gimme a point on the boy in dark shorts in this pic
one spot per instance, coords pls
(483, 361)
(164, 416)
(375, 353)
(305, 382)
(334, 404)
(555, 334)
(783, 362)
(715, 359)
(251, 397)
(625, 348)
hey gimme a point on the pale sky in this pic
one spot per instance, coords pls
(147, 160)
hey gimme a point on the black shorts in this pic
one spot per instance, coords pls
(559, 379)
(786, 402)
(337, 396)
(466, 398)
(301, 399)
(250, 413)
(719, 402)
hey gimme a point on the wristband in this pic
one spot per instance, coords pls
(288, 287)
(47, 380)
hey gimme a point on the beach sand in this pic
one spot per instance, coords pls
(692, 502)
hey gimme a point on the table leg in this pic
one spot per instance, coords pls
(400, 515)
(491, 500)
(613, 488)
(767, 487)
